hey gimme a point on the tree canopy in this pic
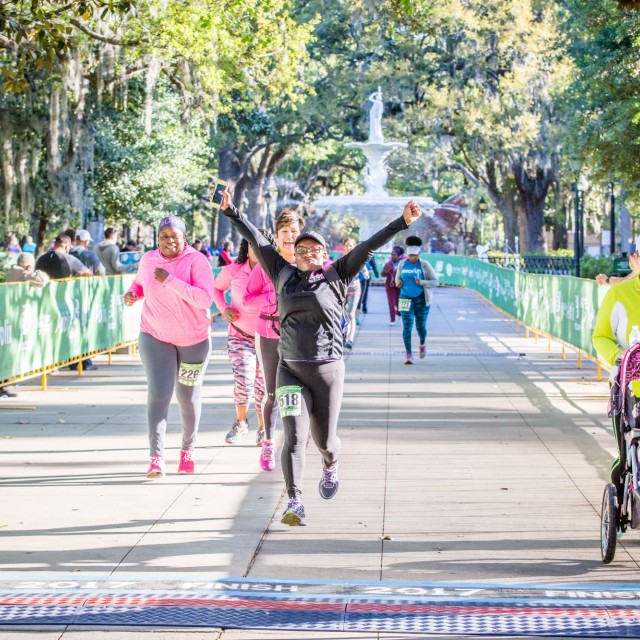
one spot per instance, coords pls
(127, 109)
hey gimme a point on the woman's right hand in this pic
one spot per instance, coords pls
(130, 298)
(230, 314)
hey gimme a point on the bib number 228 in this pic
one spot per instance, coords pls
(404, 304)
(289, 400)
(190, 375)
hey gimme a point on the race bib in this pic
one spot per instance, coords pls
(404, 304)
(190, 375)
(289, 400)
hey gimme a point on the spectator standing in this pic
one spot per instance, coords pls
(58, 264)
(25, 271)
(198, 246)
(365, 281)
(207, 247)
(108, 253)
(12, 245)
(224, 256)
(175, 283)
(88, 258)
(29, 246)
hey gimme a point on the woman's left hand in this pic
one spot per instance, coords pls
(160, 274)
(411, 212)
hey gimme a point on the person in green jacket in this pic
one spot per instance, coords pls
(619, 312)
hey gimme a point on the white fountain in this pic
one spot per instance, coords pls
(376, 207)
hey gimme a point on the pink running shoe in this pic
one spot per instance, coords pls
(156, 468)
(266, 457)
(423, 351)
(186, 462)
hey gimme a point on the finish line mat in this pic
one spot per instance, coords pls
(585, 611)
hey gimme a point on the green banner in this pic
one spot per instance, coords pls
(562, 306)
(42, 327)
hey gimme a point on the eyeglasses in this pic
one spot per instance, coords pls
(302, 251)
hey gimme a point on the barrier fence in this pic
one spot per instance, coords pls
(42, 328)
(563, 307)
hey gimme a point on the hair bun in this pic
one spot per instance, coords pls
(413, 241)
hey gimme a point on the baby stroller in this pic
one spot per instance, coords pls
(624, 408)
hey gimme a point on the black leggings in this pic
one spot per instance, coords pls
(268, 358)
(321, 386)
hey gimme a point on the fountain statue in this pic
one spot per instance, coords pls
(375, 117)
(376, 207)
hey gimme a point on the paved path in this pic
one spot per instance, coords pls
(485, 462)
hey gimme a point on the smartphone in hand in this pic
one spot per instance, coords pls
(216, 193)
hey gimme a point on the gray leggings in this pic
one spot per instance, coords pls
(268, 358)
(321, 386)
(161, 360)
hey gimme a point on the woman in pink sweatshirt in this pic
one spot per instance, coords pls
(260, 296)
(176, 284)
(241, 345)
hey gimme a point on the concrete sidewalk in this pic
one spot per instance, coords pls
(484, 462)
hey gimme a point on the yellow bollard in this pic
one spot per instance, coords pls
(564, 353)
(109, 357)
(549, 345)
(579, 360)
(44, 382)
(599, 372)
(80, 368)
(526, 334)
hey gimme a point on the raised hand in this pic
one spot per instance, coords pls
(411, 212)
(226, 200)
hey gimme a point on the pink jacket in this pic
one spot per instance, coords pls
(260, 295)
(235, 277)
(175, 311)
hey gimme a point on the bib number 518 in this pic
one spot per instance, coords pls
(289, 400)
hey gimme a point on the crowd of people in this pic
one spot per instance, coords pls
(290, 309)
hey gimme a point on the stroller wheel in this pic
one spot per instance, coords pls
(609, 523)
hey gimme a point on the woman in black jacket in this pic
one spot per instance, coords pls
(310, 374)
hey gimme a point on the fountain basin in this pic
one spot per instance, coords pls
(372, 212)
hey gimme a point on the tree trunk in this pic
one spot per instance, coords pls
(560, 235)
(533, 178)
(8, 169)
(43, 223)
(227, 170)
(502, 190)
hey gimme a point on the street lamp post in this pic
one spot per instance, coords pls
(268, 221)
(482, 207)
(612, 220)
(576, 233)
(578, 190)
